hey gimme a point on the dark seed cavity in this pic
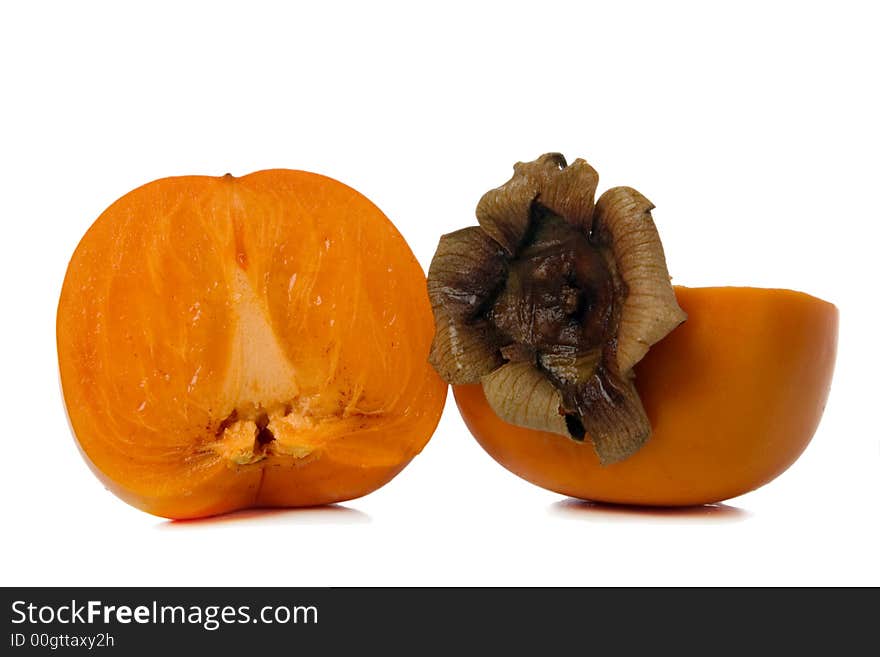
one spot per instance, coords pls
(227, 422)
(264, 437)
(264, 434)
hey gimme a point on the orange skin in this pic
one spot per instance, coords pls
(283, 295)
(734, 396)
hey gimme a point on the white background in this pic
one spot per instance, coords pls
(753, 129)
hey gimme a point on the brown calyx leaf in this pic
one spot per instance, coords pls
(519, 393)
(571, 370)
(505, 212)
(464, 274)
(613, 416)
(571, 192)
(606, 406)
(542, 169)
(649, 311)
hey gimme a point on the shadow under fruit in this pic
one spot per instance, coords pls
(229, 342)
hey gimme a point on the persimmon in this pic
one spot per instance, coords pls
(733, 396)
(235, 342)
(578, 366)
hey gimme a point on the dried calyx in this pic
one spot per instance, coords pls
(551, 301)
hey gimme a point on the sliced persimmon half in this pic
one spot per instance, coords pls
(236, 342)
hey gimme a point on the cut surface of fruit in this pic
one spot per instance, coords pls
(233, 342)
(734, 395)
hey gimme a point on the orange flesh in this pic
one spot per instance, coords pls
(734, 396)
(196, 308)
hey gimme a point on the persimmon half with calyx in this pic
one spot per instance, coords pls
(578, 366)
(241, 342)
